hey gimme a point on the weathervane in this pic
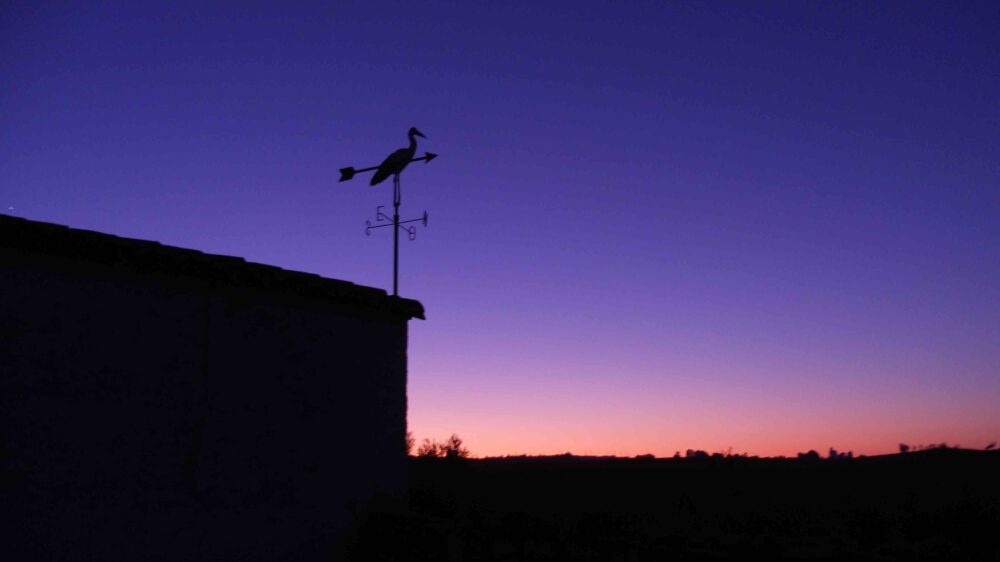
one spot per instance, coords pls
(393, 165)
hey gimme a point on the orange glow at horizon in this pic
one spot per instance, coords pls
(485, 442)
(556, 412)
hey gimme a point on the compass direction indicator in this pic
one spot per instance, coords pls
(393, 165)
(411, 231)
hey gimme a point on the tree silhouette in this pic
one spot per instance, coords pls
(409, 443)
(452, 448)
(430, 449)
(812, 455)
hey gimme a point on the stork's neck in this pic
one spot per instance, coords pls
(413, 142)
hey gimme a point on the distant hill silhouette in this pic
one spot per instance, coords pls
(929, 504)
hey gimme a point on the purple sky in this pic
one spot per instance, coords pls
(771, 227)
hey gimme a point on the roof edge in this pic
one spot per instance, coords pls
(50, 239)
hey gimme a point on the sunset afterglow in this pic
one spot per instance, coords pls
(651, 229)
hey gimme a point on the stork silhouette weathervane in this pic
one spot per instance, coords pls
(393, 165)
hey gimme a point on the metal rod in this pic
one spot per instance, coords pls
(395, 236)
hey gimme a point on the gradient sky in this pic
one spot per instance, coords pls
(667, 226)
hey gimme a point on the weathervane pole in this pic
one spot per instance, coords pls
(395, 235)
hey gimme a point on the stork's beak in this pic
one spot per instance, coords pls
(418, 133)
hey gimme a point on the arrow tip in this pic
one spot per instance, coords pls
(346, 173)
(429, 156)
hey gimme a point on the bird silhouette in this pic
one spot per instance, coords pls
(398, 160)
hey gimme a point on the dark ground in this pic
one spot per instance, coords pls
(941, 504)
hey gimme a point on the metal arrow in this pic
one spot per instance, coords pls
(349, 172)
